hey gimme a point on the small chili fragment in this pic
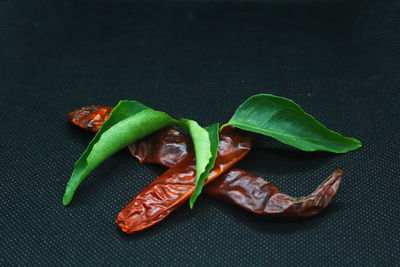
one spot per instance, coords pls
(90, 117)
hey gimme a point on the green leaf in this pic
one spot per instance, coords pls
(128, 122)
(214, 141)
(201, 143)
(285, 121)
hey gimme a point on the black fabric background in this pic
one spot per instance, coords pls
(339, 60)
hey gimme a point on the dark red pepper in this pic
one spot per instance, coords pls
(165, 147)
(168, 146)
(259, 196)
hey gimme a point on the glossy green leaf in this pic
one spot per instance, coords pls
(201, 143)
(214, 141)
(128, 122)
(285, 121)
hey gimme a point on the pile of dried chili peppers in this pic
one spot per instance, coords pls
(171, 148)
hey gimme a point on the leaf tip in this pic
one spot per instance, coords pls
(191, 203)
(357, 144)
(66, 200)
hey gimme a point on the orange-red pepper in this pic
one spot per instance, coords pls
(176, 185)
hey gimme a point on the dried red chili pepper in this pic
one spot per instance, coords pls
(168, 147)
(259, 196)
(175, 186)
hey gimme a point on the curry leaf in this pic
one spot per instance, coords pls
(214, 141)
(205, 142)
(128, 122)
(285, 121)
(201, 143)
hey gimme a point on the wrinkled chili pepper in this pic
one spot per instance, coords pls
(259, 196)
(176, 185)
(168, 147)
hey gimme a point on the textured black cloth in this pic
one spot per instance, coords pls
(339, 60)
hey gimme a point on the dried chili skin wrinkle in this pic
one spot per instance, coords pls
(175, 186)
(166, 147)
(258, 196)
(90, 117)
